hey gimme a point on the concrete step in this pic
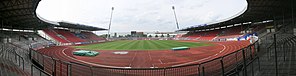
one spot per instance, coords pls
(9, 68)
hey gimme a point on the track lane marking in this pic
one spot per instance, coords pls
(133, 59)
(160, 61)
(149, 55)
(92, 64)
(224, 47)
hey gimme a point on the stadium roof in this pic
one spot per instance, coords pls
(21, 14)
(258, 10)
(78, 26)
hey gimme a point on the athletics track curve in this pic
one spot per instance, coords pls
(136, 59)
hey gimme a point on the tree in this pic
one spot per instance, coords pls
(150, 36)
(128, 35)
(168, 35)
(156, 36)
(115, 34)
(174, 35)
(162, 35)
(144, 35)
(104, 35)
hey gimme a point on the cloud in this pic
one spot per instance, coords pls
(139, 15)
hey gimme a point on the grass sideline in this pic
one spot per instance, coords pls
(141, 45)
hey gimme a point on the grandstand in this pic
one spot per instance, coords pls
(31, 45)
(230, 33)
(64, 37)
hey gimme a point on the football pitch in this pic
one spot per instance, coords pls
(141, 45)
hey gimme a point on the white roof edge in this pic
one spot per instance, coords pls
(48, 21)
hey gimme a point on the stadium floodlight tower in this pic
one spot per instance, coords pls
(110, 23)
(173, 7)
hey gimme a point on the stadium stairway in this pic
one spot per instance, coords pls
(286, 61)
(8, 66)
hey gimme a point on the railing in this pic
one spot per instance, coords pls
(278, 53)
(247, 61)
(36, 71)
(11, 56)
(231, 64)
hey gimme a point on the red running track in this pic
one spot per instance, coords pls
(138, 59)
(156, 58)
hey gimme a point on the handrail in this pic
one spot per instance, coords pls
(40, 70)
(21, 59)
(18, 58)
(285, 40)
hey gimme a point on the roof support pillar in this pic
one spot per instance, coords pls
(2, 25)
(275, 23)
(292, 10)
(246, 29)
(35, 30)
(283, 17)
(10, 29)
(240, 28)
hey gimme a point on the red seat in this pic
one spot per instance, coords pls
(69, 36)
(54, 35)
(92, 36)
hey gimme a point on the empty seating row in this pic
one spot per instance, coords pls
(54, 35)
(91, 36)
(65, 36)
(69, 36)
(233, 32)
(210, 35)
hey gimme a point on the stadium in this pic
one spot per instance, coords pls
(259, 41)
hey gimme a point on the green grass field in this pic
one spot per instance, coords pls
(141, 45)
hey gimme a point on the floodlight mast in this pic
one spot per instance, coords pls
(110, 23)
(173, 7)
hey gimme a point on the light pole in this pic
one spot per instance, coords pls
(173, 7)
(110, 23)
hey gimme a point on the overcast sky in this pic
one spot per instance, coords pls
(139, 15)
